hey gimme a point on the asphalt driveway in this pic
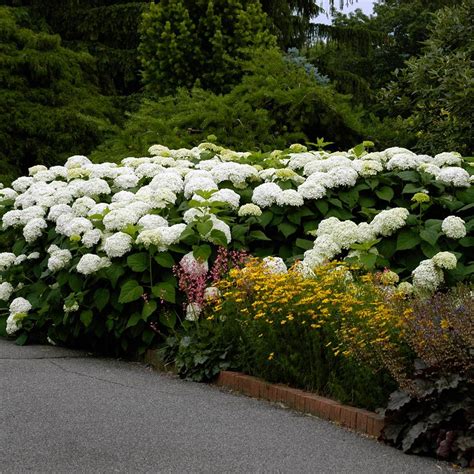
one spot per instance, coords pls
(63, 411)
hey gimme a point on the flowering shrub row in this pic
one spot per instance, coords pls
(89, 249)
(351, 335)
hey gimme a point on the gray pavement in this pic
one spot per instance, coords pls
(63, 411)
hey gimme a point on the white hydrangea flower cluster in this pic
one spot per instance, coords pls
(91, 263)
(249, 210)
(117, 245)
(6, 290)
(161, 237)
(334, 235)
(19, 309)
(454, 227)
(59, 258)
(428, 275)
(274, 265)
(7, 259)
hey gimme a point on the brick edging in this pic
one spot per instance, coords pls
(357, 419)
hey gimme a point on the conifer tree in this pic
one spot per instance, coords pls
(184, 41)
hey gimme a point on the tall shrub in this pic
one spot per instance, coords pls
(184, 41)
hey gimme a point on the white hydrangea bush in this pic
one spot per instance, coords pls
(91, 247)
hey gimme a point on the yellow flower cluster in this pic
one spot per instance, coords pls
(352, 310)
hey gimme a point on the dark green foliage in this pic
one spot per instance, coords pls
(291, 20)
(434, 94)
(186, 41)
(50, 105)
(437, 421)
(347, 54)
(277, 103)
(405, 23)
(107, 29)
(199, 351)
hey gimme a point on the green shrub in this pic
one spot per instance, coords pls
(50, 104)
(433, 95)
(119, 278)
(185, 41)
(276, 104)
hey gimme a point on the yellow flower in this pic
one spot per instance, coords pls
(271, 355)
(444, 324)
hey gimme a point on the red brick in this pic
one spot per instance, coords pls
(292, 396)
(226, 379)
(246, 384)
(326, 408)
(281, 395)
(376, 424)
(353, 423)
(345, 417)
(255, 388)
(272, 393)
(264, 390)
(362, 420)
(300, 401)
(335, 413)
(313, 405)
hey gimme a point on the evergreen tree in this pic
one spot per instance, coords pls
(107, 29)
(433, 96)
(184, 41)
(51, 106)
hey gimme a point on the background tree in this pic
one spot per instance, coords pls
(49, 100)
(184, 41)
(278, 102)
(107, 29)
(433, 95)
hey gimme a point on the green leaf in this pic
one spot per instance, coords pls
(75, 282)
(409, 175)
(114, 272)
(86, 317)
(430, 235)
(258, 235)
(165, 291)
(366, 201)
(131, 230)
(304, 244)
(148, 336)
(287, 229)
(133, 320)
(21, 340)
(239, 232)
(385, 193)
(368, 260)
(164, 259)
(148, 309)
(411, 188)
(467, 242)
(218, 237)
(265, 218)
(322, 206)
(387, 247)
(168, 319)
(350, 197)
(359, 149)
(101, 298)
(429, 250)
(138, 262)
(130, 291)
(407, 239)
(204, 227)
(202, 252)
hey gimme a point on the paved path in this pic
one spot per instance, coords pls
(62, 411)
